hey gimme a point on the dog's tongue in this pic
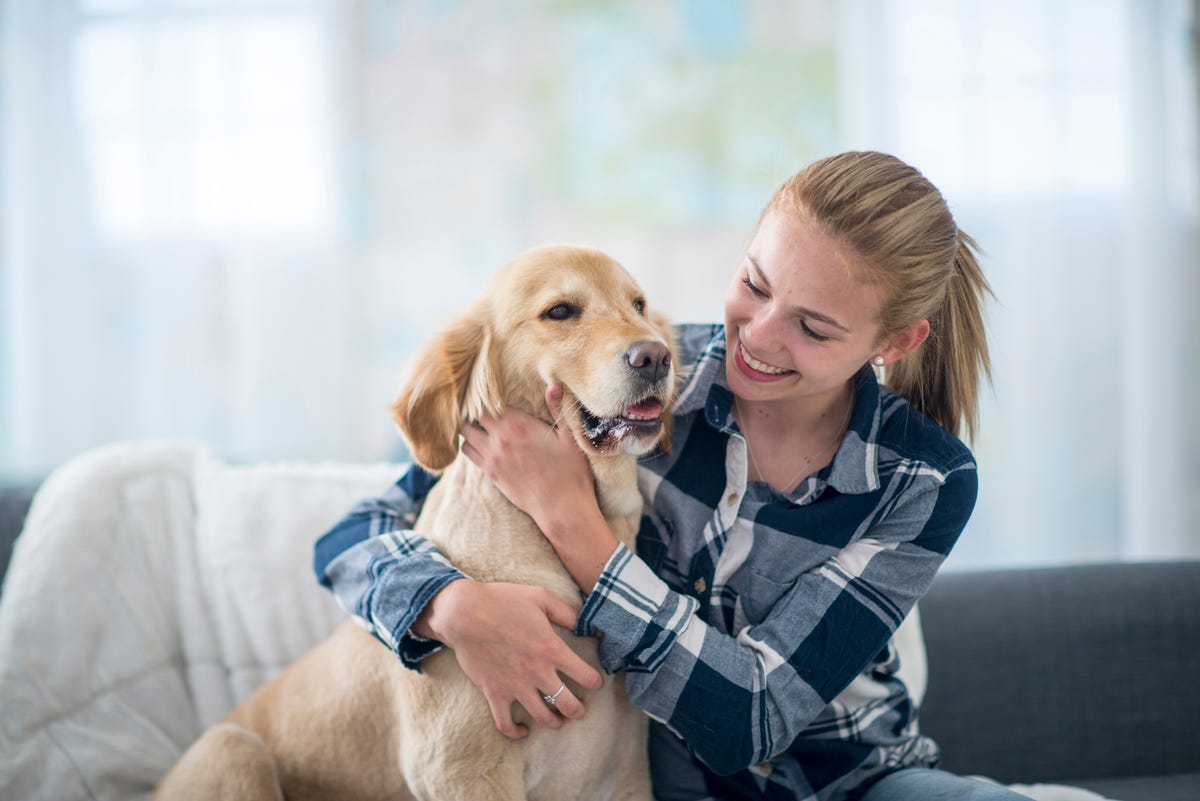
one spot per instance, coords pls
(646, 410)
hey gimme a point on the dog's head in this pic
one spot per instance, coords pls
(554, 314)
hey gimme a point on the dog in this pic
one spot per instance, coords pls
(347, 720)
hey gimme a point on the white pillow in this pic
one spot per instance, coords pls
(152, 589)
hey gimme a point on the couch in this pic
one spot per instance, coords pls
(1081, 675)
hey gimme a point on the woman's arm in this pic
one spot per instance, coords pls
(381, 571)
(410, 597)
(542, 471)
(739, 700)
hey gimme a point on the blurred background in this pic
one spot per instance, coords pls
(233, 220)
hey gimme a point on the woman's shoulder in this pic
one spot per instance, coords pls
(910, 438)
(694, 340)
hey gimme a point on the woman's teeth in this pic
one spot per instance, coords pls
(762, 367)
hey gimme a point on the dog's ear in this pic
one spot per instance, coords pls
(454, 378)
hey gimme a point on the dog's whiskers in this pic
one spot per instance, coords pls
(572, 406)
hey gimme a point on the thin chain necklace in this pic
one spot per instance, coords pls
(808, 460)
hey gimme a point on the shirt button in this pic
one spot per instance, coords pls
(732, 499)
(700, 585)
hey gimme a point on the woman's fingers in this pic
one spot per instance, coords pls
(554, 403)
(502, 637)
(502, 715)
(572, 664)
(566, 704)
(471, 453)
(559, 611)
(535, 703)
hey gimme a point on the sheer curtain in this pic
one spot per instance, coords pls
(171, 228)
(234, 220)
(1064, 135)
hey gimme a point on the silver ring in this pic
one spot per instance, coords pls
(551, 699)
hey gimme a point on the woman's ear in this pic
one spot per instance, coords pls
(453, 378)
(904, 343)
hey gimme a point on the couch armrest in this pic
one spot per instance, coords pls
(14, 505)
(1066, 673)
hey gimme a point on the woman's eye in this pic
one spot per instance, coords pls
(758, 293)
(639, 306)
(561, 311)
(811, 334)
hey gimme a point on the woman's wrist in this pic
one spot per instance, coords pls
(583, 541)
(432, 622)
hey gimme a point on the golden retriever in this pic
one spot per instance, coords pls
(348, 721)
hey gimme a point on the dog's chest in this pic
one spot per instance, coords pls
(482, 534)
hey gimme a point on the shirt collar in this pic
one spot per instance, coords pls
(855, 467)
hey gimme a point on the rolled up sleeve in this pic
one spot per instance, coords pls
(381, 571)
(638, 614)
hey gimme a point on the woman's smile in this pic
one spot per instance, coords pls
(757, 370)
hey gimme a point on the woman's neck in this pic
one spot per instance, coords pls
(787, 441)
(798, 416)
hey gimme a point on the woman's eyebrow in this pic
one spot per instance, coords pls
(797, 311)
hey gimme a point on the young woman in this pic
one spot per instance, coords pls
(801, 513)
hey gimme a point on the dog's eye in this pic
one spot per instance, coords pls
(639, 306)
(561, 311)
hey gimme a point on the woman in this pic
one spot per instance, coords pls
(801, 513)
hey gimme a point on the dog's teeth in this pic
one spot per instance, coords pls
(648, 409)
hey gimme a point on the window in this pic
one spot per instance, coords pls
(203, 118)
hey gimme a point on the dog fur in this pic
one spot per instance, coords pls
(347, 720)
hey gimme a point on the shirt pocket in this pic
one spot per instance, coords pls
(763, 593)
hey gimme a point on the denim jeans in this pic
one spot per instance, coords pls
(923, 784)
(677, 778)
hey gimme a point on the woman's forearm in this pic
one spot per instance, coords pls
(583, 541)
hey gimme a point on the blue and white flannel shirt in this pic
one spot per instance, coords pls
(756, 625)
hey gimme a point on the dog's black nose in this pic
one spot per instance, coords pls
(650, 360)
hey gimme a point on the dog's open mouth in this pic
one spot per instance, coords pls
(644, 418)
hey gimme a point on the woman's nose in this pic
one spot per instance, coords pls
(757, 334)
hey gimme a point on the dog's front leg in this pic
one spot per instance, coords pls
(226, 762)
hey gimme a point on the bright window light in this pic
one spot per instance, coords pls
(205, 119)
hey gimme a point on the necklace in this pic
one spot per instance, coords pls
(839, 432)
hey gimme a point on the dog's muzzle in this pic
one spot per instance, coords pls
(643, 418)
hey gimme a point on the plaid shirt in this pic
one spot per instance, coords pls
(754, 624)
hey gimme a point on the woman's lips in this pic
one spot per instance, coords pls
(754, 374)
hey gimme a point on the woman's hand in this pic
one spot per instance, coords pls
(542, 471)
(538, 467)
(502, 636)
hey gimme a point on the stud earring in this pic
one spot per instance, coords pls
(878, 361)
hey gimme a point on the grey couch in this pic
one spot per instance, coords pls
(1084, 675)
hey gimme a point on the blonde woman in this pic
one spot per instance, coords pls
(802, 511)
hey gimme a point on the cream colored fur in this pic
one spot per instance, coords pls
(348, 721)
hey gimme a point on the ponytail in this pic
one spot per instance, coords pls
(942, 378)
(901, 226)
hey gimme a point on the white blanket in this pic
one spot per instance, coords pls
(152, 589)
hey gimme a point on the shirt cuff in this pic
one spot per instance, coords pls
(637, 613)
(412, 647)
(386, 582)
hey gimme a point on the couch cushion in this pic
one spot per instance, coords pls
(1175, 787)
(1065, 674)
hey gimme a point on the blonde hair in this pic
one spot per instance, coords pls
(900, 225)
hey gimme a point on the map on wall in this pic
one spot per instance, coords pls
(656, 130)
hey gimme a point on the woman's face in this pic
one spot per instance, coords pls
(799, 320)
